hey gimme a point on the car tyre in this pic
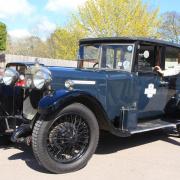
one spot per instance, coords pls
(87, 133)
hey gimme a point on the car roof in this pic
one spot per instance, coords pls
(22, 64)
(128, 40)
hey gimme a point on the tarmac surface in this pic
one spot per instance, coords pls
(148, 156)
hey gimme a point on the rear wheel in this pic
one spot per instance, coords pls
(68, 141)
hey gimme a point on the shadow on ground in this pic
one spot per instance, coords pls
(25, 155)
(108, 144)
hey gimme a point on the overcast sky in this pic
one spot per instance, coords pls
(40, 17)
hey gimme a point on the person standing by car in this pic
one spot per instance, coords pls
(169, 72)
(175, 102)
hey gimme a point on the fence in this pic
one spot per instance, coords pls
(45, 61)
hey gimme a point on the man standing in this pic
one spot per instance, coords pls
(173, 106)
(169, 72)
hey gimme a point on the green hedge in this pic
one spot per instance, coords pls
(3, 36)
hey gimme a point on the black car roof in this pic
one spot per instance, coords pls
(22, 64)
(128, 40)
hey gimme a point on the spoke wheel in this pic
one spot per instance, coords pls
(68, 138)
(65, 141)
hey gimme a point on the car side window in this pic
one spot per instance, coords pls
(172, 58)
(117, 57)
(110, 58)
(146, 64)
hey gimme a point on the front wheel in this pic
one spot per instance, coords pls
(67, 141)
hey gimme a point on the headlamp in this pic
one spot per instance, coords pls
(10, 76)
(42, 78)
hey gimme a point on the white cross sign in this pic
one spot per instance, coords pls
(150, 91)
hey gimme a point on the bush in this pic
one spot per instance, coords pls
(3, 36)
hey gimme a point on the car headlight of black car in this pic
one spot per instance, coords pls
(10, 76)
(42, 78)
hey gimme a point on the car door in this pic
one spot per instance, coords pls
(172, 75)
(153, 89)
(117, 60)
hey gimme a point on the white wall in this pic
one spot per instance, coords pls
(45, 61)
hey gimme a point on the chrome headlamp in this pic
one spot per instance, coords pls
(10, 76)
(42, 78)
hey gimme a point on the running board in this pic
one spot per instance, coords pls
(151, 126)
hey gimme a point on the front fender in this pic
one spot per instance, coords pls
(58, 100)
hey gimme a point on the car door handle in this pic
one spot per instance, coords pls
(163, 83)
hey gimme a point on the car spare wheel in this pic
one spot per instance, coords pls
(67, 141)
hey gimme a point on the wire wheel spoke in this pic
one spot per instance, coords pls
(68, 138)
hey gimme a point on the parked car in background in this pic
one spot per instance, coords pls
(115, 87)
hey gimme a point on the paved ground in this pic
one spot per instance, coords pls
(150, 156)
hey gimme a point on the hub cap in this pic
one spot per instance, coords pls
(68, 138)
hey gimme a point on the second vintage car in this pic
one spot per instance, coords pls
(116, 87)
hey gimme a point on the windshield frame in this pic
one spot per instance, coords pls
(100, 59)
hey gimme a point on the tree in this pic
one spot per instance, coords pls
(96, 18)
(99, 18)
(31, 46)
(170, 28)
(3, 34)
(63, 43)
(118, 18)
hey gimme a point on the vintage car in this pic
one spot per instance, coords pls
(115, 87)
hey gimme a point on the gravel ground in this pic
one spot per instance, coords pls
(149, 156)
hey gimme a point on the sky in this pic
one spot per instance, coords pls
(41, 17)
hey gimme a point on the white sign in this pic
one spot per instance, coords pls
(126, 65)
(150, 91)
(130, 48)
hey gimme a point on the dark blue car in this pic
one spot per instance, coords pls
(121, 85)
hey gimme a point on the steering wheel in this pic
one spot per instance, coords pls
(95, 65)
(98, 63)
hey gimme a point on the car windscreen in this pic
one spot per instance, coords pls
(89, 56)
(19, 68)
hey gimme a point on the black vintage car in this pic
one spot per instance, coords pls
(120, 85)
